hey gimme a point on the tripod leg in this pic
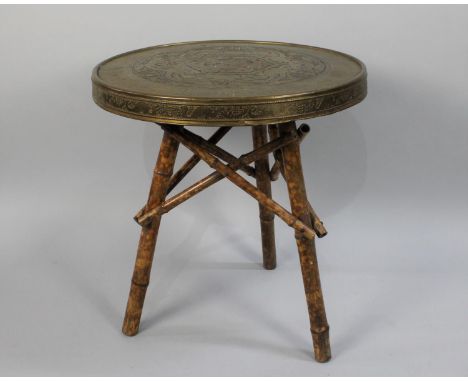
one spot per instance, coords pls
(262, 174)
(149, 233)
(307, 253)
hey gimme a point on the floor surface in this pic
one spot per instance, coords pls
(396, 300)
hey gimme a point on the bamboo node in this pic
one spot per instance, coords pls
(162, 173)
(141, 285)
(321, 329)
(267, 217)
(145, 218)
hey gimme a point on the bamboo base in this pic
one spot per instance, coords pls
(283, 142)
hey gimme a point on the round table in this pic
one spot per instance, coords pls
(265, 85)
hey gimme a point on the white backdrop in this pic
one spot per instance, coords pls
(389, 177)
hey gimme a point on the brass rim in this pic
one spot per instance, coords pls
(229, 111)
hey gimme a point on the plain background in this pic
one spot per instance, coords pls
(389, 177)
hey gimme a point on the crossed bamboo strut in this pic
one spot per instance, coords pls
(207, 151)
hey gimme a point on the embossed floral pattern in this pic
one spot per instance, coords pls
(229, 66)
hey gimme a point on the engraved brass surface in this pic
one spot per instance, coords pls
(228, 83)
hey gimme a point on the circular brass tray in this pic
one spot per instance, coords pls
(228, 83)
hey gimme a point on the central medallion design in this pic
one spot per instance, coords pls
(229, 66)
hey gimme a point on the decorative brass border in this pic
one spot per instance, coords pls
(218, 114)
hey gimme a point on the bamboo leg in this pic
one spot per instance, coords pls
(307, 253)
(141, 274)
(267, 224)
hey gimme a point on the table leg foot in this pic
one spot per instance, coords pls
(134, 309)
(322, 345)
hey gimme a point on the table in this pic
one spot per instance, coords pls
(265, 85)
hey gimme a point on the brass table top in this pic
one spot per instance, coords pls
(228, 83)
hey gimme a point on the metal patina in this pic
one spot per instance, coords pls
(228, 83)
